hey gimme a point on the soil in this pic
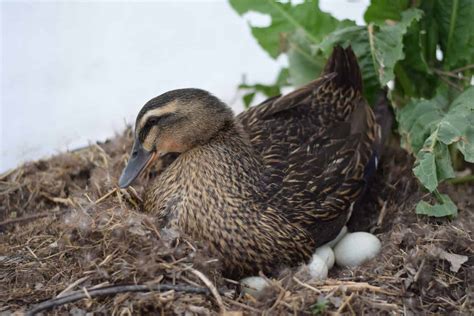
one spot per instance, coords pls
(73, 242)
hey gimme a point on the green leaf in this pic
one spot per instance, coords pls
(283, 78)
(444, 165)
(304, 66)
(248, 98)
(446, 207)
(466, 145)
(455, 20)
(458, 124)
(386, 45)
(413, 74)
(286, 19)
(425, 170)
(319, 307)
(427, 127)
(380, 11)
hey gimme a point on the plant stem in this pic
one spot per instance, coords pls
(452, 24)
(438, 196)
(461, 180)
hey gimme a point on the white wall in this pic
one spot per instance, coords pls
(75, 72)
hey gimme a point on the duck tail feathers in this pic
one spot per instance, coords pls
(343, 63)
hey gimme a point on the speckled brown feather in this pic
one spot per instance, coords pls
(220, 202)
(317, 148)
(280, 180)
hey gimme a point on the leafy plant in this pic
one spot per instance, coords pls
(319, 307)
(423, 49)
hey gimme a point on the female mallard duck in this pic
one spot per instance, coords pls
(264, 189)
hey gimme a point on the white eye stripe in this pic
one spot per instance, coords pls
(168, 108)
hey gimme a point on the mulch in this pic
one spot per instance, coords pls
(71, 241)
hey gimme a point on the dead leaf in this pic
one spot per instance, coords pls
(454, 260)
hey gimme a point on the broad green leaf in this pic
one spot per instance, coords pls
(422, 128)
(379, 11)
(427, 127)
(446, 207)
(458, 125)
(286, 19)
(386, 44)
(455, 20)
(304, 66)
(466, 145)
(433, 163)
(448, 133)
(413, 75)
(444, 165)
(425, 170)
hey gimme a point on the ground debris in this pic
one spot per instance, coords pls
(70, 238)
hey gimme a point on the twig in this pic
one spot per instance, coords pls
(27, 218)
(450, 83)
(211, 287)
(78, 295)
(67, 290)
(463, 68)
(105, 196)
(382, 214)
(33, 254)
(312, 288)
(355, 286)
(253, 309)
(343, 305)
(449, 74)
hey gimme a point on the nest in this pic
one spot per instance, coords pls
(71, 241)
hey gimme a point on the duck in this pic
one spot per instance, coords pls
(263, 189)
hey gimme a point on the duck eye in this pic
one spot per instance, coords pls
(154, 120)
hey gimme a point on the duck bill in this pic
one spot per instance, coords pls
(139, 160)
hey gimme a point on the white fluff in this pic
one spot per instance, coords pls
(318, 269)
(326, 253)
(356, 248)
(341, 234)
(253, 285)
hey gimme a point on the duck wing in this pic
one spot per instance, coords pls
(318, 143)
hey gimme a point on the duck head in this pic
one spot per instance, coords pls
(173, 122)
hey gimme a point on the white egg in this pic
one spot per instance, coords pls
(341, 234)
(356, 248)
(253, 285)
(318, 269)
(326, 253)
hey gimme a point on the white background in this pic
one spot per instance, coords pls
(74, 72)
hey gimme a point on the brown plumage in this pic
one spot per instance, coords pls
(264, 189)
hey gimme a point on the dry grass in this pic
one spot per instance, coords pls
(70, 237)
